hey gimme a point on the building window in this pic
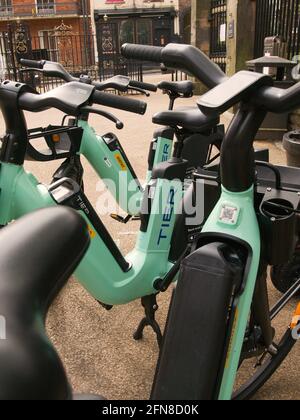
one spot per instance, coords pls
(5, 8)
(135, 31)
(45, 7)
(48, 45)
(144, 31)
(126, 31)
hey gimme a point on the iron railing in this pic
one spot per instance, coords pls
(39, 9)
(79, 54)
(278, 18)
(218, 18)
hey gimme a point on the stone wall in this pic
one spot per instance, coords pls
(240, 40)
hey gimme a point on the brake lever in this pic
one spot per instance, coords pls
(142, 91)
(90, 110)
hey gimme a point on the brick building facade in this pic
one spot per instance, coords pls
(45, 15)
(57, 30)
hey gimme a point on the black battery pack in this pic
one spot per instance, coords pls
(197, 331)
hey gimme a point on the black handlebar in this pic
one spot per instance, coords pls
(143, 86)
(120, 83)
(72, 97)
(119, 102)
(50, 69)
(278, 100)
(32, 63)
(181, 57)
(254, 90)
(142, 52)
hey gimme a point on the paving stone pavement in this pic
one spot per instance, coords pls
(96, 346)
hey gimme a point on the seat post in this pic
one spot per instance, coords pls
(172, 96)
(178, 144)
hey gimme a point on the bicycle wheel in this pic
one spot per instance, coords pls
(263, 373)
(259, 363)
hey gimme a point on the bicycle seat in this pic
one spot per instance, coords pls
(189, 118)
(38, 254)
(185, 88)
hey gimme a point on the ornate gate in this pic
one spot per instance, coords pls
(15, 43)
(73, 50)
(218, 18)
(111, 61)
(278, 17)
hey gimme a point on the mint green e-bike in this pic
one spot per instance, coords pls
(220, 318)
(107, 155)
(154, 262)
(210, 313)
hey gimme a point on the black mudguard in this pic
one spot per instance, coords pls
(196, 335)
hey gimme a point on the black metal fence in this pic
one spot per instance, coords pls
(278, 18)
(218, 19)
(80, 54)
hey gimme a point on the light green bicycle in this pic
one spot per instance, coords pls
(211, 329)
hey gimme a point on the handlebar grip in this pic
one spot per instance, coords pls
(144, 86)
(278, 100)
(142, 52)
(119, 102)
(32, 63)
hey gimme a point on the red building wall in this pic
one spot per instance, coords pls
(70, 11)
(72, 49)
(27, 6)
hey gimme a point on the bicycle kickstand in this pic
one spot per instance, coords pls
(150, 306)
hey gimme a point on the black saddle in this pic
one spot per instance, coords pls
(185, 88)
(38, 254)
(189, 118)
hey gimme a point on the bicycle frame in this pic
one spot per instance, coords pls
(110, 162)
(105, 273)
(233, 223)
(238, 174)
(246, 226)
(99, 272)
(115, 280)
